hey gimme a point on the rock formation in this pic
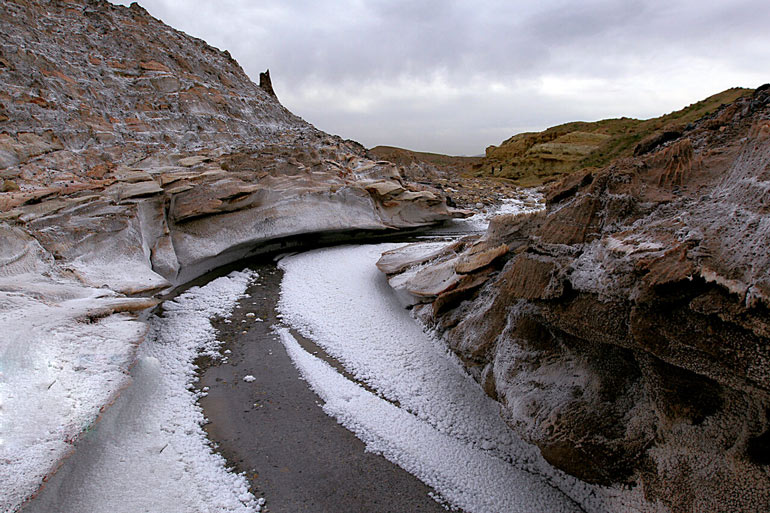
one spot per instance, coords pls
(625, 330)
(134, 158)
(535, 158)
(456, 176)
(265, 83)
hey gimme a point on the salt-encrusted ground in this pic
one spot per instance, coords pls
(62, 358)
(428, 416)
(149, 453)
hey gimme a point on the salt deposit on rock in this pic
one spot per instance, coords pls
(425, 414)
(625, 329)
(149, 452)
(134, 158)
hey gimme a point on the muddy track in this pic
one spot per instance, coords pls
(275, 431)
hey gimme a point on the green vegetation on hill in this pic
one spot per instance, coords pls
(535, 158)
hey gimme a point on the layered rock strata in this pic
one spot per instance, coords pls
(534, 158)
(121, 130)
(625, 330)
(134, 158)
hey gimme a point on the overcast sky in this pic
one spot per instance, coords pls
(456, 76)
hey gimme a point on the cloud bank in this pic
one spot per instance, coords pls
(456, 76)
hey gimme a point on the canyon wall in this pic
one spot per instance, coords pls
(134, 158)
(625, 330)
(160, 151)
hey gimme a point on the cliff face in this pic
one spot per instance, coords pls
(116, 127)
(134, 158)
(626, 330)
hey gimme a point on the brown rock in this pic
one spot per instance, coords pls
(153, 66)
(384, 188)
(9, 186)
(678, 160)
(221, 196)
(574, 224)
(481, 259)
(434, 281)
(530, 277)
(628, 336)
(671, 267)
(192, 161)
(265, 83)
(399, 259)
(461, 291)
(124, 191)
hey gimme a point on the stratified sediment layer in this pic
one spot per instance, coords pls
(134, 158)
(625, 330)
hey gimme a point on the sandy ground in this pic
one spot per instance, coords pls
(274, 430)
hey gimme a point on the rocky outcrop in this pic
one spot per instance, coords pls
(134, 158)
(157, 150)
(535, 158)
(265, 83)
(457, 177)
(626, 329)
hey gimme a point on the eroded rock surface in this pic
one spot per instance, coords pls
(134, 158)
(625, 330)
(160, 151)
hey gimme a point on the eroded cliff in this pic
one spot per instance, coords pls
(625, 330)
(134, 158)
(160, 151)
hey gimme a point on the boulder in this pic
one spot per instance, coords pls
(474, 261)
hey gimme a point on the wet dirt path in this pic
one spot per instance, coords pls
(274, 430)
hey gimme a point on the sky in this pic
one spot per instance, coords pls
(457, 76)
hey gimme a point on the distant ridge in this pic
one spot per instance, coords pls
(535, 158)
(404, 157)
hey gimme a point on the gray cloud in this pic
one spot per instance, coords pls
(456, 76)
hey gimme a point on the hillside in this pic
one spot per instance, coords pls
(456, 176)
(133, 159)
(535, 158)
(404, 157)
